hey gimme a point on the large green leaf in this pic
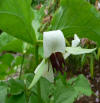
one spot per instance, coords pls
(7, 59)
(3, 71)
(77, 16)
(3, 93)
(16, 86)
(9, 43)
(81, 85)
(45, 90)
(64, 94)
(33, 98)
(16, 99)
(16, 19)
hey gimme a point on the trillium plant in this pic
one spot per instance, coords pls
(55, 54)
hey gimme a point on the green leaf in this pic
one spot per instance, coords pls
(45, 89)
(33, 98)
(78, 50)
(64, 94)
(6, 59)
(77, 16)
(3, 83)
(81, 85)
(16, 86)
(16, 99)
(3, 70)
(28, 79)
(9, 43)
(16, 19)
(3, 93)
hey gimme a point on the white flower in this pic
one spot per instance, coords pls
(54, 50)
(76, 41)
(98, 5)
(53, 41)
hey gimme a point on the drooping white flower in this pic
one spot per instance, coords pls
(54, 54)
(53, 45)
(53, 41)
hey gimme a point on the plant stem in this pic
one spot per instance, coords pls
(21, 66)
(36, 55)
(39, 92)
(37, 62)
(92, 66)
(39, 42)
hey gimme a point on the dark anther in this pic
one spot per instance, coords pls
(58, 62)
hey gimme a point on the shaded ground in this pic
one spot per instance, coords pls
(95, 84)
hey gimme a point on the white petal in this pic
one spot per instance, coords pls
(43, 70)
(48, 74)
(99, 5)
(78, 50)
(76, 41)
(66, 55)
(39, 72)
(53, 41)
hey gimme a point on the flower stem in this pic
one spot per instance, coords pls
(39, 41)
(21, 66)
(37, 62)
(36, 55)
